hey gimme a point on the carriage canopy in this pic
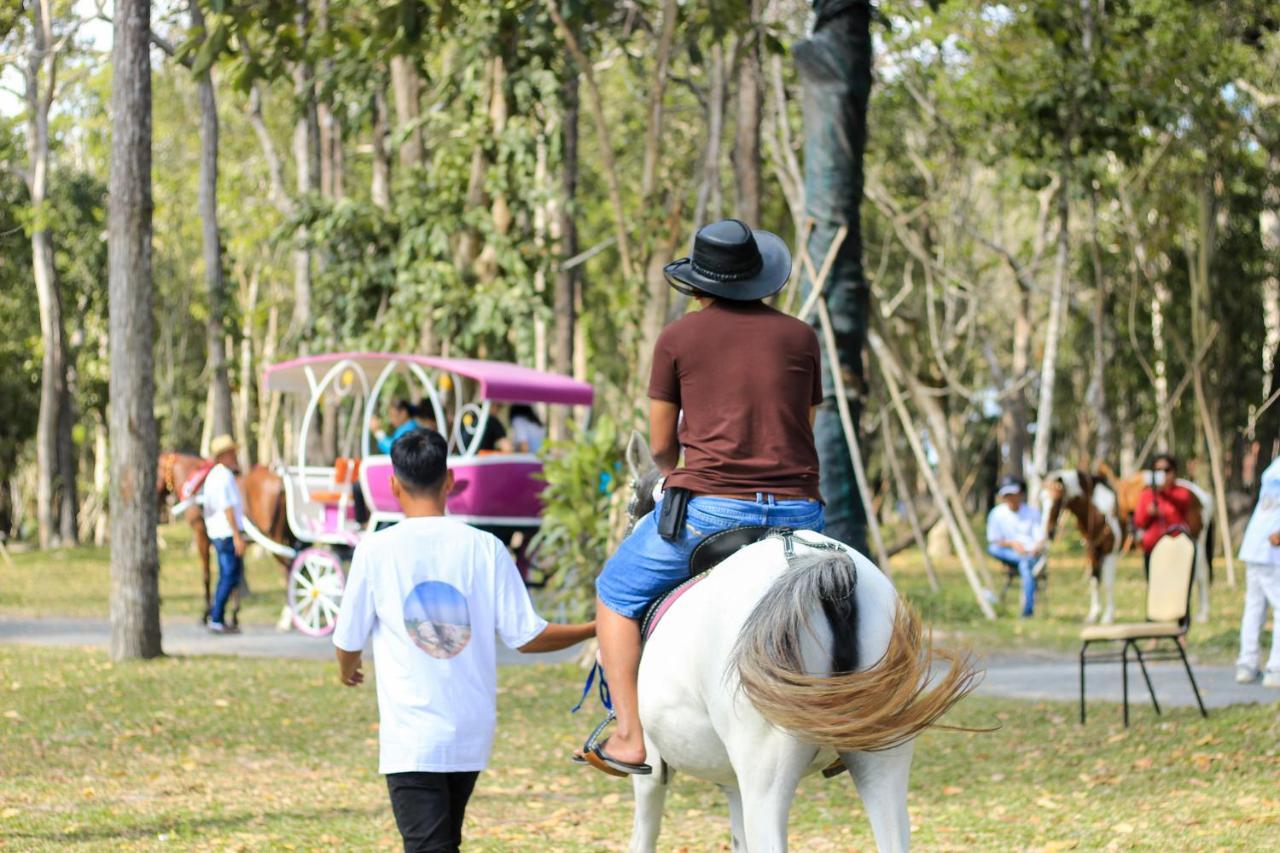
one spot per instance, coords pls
(498, 381)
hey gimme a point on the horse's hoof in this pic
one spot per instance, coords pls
(285, 623)
(1091, 618)
(1108, 618)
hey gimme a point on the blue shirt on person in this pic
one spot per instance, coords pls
(385, 443)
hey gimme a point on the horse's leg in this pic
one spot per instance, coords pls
(1095, 606)
(768, 778)
(881, 778)
(1109, 585)
(201, 537)
(737, 826)
(651, 795)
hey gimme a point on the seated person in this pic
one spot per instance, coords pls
(1015, 537)
(527, 431)
(424, 414)
(494, 432)
(401, 415)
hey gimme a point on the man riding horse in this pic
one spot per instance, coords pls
(736, 384)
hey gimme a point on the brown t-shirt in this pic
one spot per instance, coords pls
(745, 376)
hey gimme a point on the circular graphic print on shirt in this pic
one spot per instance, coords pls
(437, 619)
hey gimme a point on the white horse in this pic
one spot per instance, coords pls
(791, 653)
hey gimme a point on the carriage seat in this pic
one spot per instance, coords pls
(345, 472)
(708, 554)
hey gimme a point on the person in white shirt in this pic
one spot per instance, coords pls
(527, 431)
(434, 595)
(1015, 537)
(224, 520)
(1260, 551)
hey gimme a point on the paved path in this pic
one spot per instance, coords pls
(184, 637)
(1031, 675)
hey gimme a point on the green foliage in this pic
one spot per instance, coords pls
(583, 474)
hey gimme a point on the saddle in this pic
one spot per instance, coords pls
(709, 553)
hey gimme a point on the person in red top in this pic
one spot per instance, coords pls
(1162, 506)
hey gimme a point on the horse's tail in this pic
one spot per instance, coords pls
(874, 708)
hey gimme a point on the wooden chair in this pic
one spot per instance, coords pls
(1168, 619)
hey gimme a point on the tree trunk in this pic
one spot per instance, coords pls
(248, 308)
(1160, 364)
(835, 68)
(380, 183)
(55, 452)
(1053, 332)
(135, 594)
(564, 299)
(746, 149)
(1096, 396)
(214, 324)
(1267, 428)
(306, 155)
(406, 87)
(1016, 403)
(707, 206)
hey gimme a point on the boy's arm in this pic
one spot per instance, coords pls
(349, 668)
(555, 637)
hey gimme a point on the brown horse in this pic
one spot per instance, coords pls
(1093, 502)
(263, 493)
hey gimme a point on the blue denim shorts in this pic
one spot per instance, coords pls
(646, 565)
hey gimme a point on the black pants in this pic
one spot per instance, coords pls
(429, 808)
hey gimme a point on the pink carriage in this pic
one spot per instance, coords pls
(333, 456)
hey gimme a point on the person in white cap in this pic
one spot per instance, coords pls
(1015, 537)
(224, 520)
(1260, 551)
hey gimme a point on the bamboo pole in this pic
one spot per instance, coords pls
(851, 435)
(980, 592)
(1215, 470)
(904, 493)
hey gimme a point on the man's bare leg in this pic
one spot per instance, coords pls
(620, 654)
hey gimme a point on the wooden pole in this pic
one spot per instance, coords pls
(851, 434)
(904, 494)
(980, 591)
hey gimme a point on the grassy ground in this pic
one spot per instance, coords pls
(1060, 615)
(75, 582)
(221, 753)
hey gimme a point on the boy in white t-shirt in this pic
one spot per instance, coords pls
(434, 594)
(224, 523)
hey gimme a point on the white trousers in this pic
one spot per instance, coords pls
(1261, 588)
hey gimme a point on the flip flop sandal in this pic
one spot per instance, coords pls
(602, 761)
(594, 755)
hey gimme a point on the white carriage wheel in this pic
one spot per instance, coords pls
(316, 581)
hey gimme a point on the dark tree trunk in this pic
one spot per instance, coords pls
(835, 68)
(135, 594)
(746, 148)
(566, 280)
(215, 324)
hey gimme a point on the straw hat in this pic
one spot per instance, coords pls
(220, 445)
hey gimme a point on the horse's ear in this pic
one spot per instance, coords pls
(639, 459)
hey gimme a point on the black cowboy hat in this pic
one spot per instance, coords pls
(732, 261)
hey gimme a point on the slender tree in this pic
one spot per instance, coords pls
(213, 273)
(55, 450)
(135, 594)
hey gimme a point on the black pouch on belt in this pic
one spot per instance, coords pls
(675, 503)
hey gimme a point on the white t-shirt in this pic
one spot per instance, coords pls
(1257, 547)
(525, 431)
(433, 593)
(220, 493)
(1023, 527)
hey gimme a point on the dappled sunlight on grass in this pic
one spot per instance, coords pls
(223, 753)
